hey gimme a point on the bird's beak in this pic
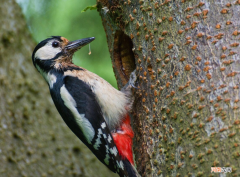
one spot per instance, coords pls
(73, 46)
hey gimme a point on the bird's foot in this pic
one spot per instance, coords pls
(133, 79)
(131, 83)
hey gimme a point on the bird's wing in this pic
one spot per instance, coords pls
(89, 122)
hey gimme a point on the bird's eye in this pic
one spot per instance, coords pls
(55, 44)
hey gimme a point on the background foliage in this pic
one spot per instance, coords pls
(64, 18)
(34, 140)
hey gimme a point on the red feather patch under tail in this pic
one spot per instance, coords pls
(123, 139)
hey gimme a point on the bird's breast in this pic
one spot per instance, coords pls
(113, 102)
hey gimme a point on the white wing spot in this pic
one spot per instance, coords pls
(103, 125)
(109, 138)
(98, 142)
(105, 136)
(81, 120)
(106, 160)
(114, 151)
(120, 164)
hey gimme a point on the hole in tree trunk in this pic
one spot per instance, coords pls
(124, 60)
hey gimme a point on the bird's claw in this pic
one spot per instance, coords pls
(131, 82)
(133, 79)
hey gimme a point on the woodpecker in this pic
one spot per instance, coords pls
(96, 112)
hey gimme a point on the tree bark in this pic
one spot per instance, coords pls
(186, 54)
(34, 140)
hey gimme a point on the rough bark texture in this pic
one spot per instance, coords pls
(186, 114)
(34, 140)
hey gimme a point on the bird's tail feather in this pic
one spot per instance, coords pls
(132, 172)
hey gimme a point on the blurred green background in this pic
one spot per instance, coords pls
(47, 18)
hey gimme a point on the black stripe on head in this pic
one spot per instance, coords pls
(43, 43)
(47, 65)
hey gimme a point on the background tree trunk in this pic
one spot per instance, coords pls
(186, 53)
(34, 140)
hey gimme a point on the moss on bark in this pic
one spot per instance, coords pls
(186, 112)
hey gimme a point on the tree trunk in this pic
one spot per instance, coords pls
(186, 54)
(34, 140)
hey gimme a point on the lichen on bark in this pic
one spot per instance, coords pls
(186, 54)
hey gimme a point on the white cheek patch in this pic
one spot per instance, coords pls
(80, 119)
(50, 78)
(47, 52)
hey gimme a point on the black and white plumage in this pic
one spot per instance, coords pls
(88, 104)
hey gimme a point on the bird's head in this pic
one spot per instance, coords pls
(56, 50)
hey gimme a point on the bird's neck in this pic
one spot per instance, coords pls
(49, 69)
(44, 65)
